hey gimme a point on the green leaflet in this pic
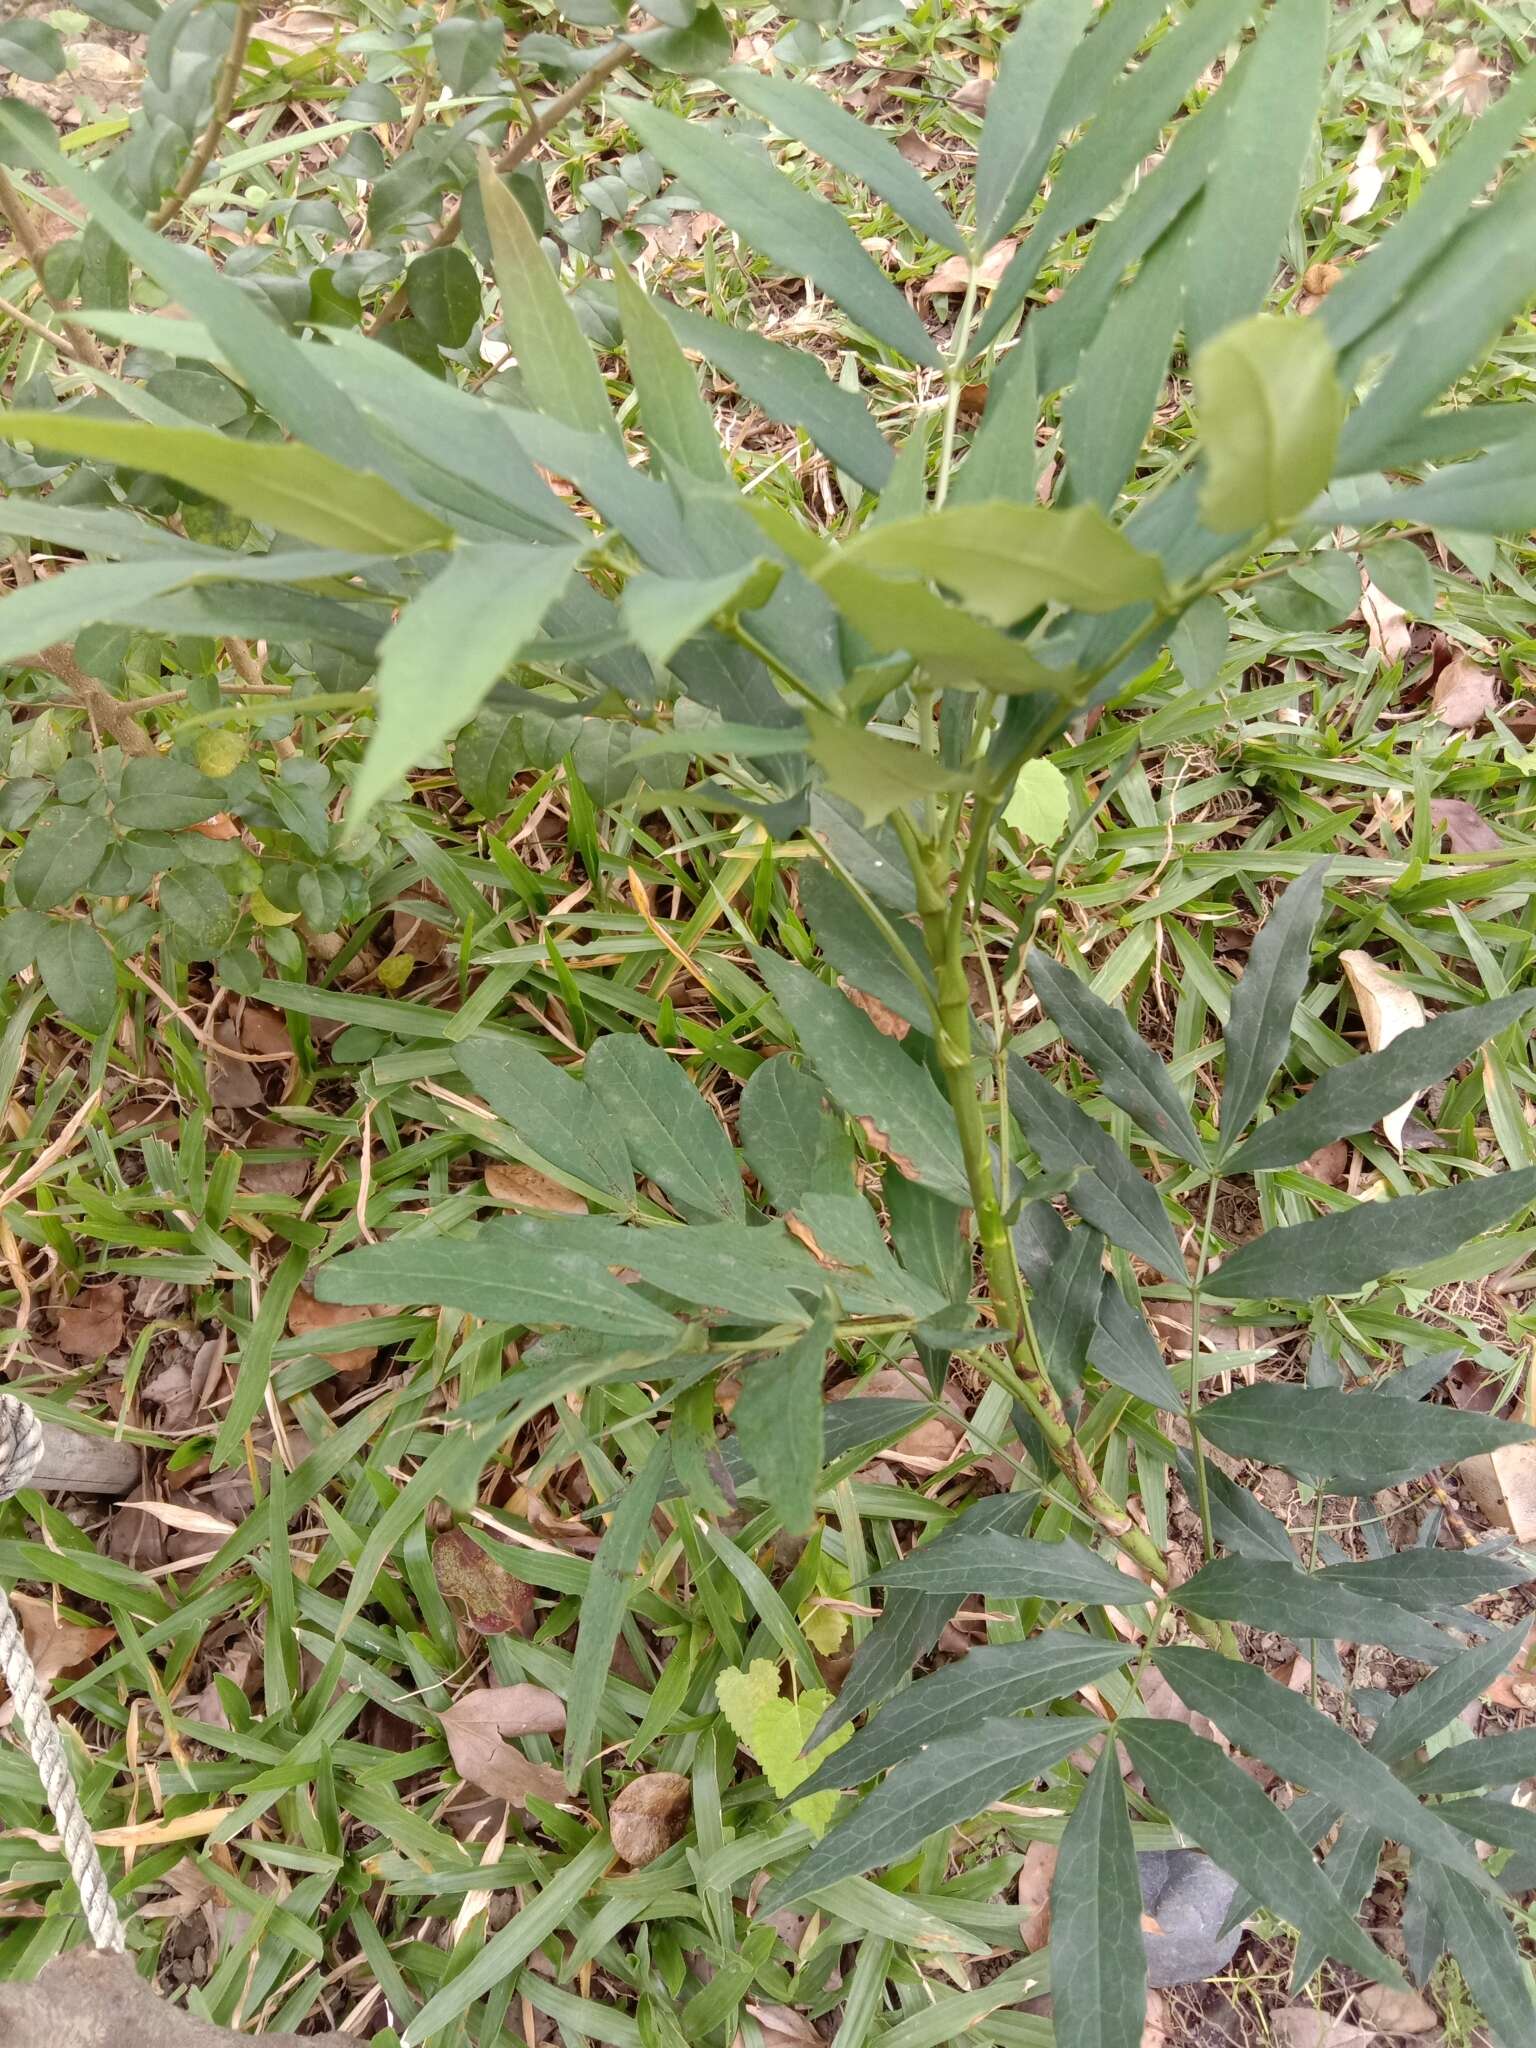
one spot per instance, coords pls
(1357, 1443)
(859, 950)
(661, 612)
(1479, 1936)
(1414, 1716)
(1125, 1351)
(1269, 408)
(551, 1112)
(1259, 1027)
(1428, 1581)
(678, 424)
(440, 661)
(1107, 1192)
(871, 1079)
(1342, 1253)
(1122, 373)
(78, 973)
(803, 235)
(1361, 1092)
(899, 615)
(671, 1133)
(1206, 1795)
(1013, 1568)
(610, 1588)
(1098, 1960)
(1469, 1766)
(877, 776)
(791, 1140)
(1301, 1605)
(295, 489)
(443, 287)
(778, 1421)
(61, 854)
(1020, 131)
(1129, 1072)
(1065, 1271)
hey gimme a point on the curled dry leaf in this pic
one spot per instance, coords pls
(1366, 177)
(521, 1187)
(1319, 279)
(475, 1727)
(1386, 625)
(1329, 1163)
(1467, 80)
(306, 1316)
(92, 1325)
(954, 272)
(1387, 1009)
(1396, 2011)
(1035, 1875)
(1464, 693)
(649, 1816)
(495, 1602)
(782, 2027)
(1462, 825)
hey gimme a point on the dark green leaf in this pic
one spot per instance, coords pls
(871, 1079)
(791, 1141)
(610, 1588)
(1403, 572)
(60, 856)
(1065, 1270)
(1356, 1443)
(1019, 131)
(1342, 1253)
(1360, 1093)
(672, 1135)
(1425, 1581)
(859, 950)
(1107, 1191)
(1122, 373)
(486, 756)
(1014, 1568)
(1210, 1799)
(1264, 1002)
(953, 1780)
(1414, 1716)
(1129, 1072)
(198, 906)
(1098, 1959)
(553, 1114)
(1286, 1732)
(1125, 1351)
(801, 234)
(1278, 1597)
(1269, 407)
(77, 972)
(1469, 1766)
(778, 1421)
(1003, 1678)
(678, 424)
(1477, 1933)
(443, 287)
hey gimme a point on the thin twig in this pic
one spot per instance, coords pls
(98, 703)
(223, 106)
(30, 242)
(11, 311)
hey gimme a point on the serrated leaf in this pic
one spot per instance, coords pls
(1264, 1003)
(1295, 1604)
(1356, 1443)
(875, 775)
(1479, 1936)
(1358, 1094)
(554, 1114)
(1219, 1806)
(778, 1422)
(1098, 1959)
(775, 1729)
(871, 1079)
(440, 660)
(611, 1585)
(1288, 1733)
(999, 1679)
(295, 489)
(678, 424)
(77, 971)
(1342, 1253)
(1129, 1072)
(951, 1781)
(1014, 1568)
(1107, 1191)
(670, 1132)
(801, 234)
(1269, 407)
(1004, 560)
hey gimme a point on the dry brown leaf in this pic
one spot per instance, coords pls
(1158, 2031)
(884, 1019)
(92, 1325)
(1319, 279)
(649, 1816)
(1467, 79)
(782, 2028)
(306, 1315)
(1421, 10)
(1462, 825)
(1387, 1009)
(1386, 625)
(475, 1726)
(918, 150)
(1329, 1163)
(521, 1187)
(1396, 2011)
(1366, 177)
(265, 1031)
(1464, 693)
(1035, 1875)
(496, 1603)
(1503, 1484)
(972, 97)
(954, 272)
(55, 1647)
(1303, 2026)
(194, 1521)
(288, 1176)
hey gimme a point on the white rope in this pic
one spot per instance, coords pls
(21, 1445)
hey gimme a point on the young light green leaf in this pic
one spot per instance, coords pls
(559, 370)
(678, 424)
(672, 1135)
(876, 775)
(550, 1111)
(1283, 1730)
(1125, 1351)
(951, 1781)
(1269, 408)
(1250, 201)
(611, 1586)
(1356, 1443)
(1264, 1003)
(1013, 1568)
(441, 659)
(1301, 1605)
(1209, 1798)
(871, 1079)
(1129, 1072)
(1358, 1094)
(899, 615)
(778, 1421)
(76, 966)
(775, 1729)
(803, 235)
(1340, 1254)
(1040, 804)
(1479, 1936)
(1098, 1959)
(815, 118)
(1019, 132)
(281, 484)
(1107, 1191)
(1005, 560)
(1000, 1679)
(661, 612)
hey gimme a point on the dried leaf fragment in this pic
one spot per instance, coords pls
(1366, 177)
(522, 1187)
(306, 1316)
(649, 1816)
(496, 1603)
(475, 1727)
(1387, 1009)
(1462, 825)
(1464, 694)
(92, 1325)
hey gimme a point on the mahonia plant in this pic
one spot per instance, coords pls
(880, 695)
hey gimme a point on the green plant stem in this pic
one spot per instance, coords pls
(954, 383)
(223, 106)
(1196, 1441)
